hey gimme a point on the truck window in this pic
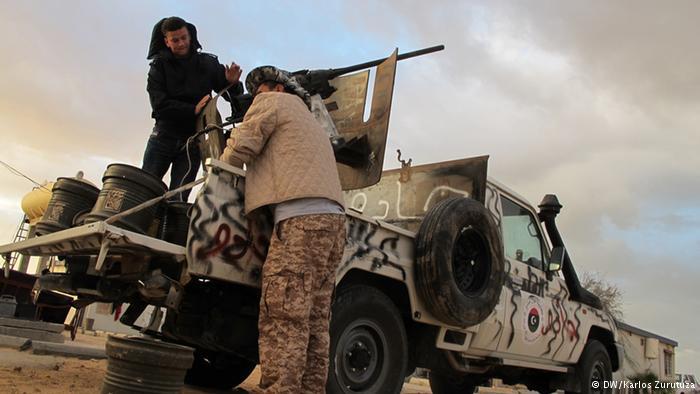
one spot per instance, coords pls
(521, 238)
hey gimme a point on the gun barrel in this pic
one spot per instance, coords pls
(402, 56)
(332, 73)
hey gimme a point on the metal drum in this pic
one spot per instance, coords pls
(142, 365)
(70, 198)
(125, 187)
(176, 222)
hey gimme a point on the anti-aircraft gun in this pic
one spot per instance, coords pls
(318, 81)
(338, 101)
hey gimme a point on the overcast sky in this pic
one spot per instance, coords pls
(595, 101)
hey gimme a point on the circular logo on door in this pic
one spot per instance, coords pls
(533, 319)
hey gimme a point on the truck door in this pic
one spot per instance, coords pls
(533, 304)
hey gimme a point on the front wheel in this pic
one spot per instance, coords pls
(369, 349)
(594, 369)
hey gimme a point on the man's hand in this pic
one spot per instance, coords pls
(201, 104)
(233, 72)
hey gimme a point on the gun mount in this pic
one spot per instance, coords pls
(318, 81)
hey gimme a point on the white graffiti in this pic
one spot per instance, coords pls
(360, 207)
(386, 212)
(442, 191)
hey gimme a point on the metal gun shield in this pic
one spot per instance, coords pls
(347, 106)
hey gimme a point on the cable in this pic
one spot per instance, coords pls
(207, 129)
(17, 172)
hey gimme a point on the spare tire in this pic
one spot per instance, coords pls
(459, 262)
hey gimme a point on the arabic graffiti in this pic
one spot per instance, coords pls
(534, 284)
(391, 210)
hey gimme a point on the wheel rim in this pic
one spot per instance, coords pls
(471, 263)
(598, 374)
(359, 356)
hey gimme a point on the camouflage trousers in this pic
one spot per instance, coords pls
(297, 286)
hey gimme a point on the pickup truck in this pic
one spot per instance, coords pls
(444, 269)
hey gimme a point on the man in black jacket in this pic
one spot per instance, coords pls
(180, 82)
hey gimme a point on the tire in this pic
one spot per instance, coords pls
(541, 389)
(369, 351)
(594, 365)
(459, 262)
(441, 383)
(218, 371)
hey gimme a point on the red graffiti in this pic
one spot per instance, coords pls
(232, 248)
(571, 330)
(217, 243)
(554, 324)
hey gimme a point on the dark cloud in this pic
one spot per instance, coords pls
(596, 102)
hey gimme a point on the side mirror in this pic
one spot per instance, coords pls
(557, 259)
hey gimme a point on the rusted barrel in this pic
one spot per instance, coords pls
(176, 222)
(70, 197)
(142, 365)
(125, 187)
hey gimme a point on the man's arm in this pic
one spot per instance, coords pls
(166, 107)
(249, 138)
(223, 76)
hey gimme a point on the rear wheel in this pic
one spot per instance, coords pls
(369, 350)
(218, 370)
(445, 383)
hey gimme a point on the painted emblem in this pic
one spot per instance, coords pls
(532, 319)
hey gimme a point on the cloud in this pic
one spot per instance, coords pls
(593, 101)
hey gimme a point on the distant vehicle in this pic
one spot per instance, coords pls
(690, 384)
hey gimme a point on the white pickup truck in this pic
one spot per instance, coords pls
(443, 269)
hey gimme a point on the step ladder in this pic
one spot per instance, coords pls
(21, 234)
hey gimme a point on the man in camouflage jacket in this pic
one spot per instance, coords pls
(291, 169)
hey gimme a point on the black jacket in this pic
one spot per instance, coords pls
(175, 86)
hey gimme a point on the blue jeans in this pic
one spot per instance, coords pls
(162, 151)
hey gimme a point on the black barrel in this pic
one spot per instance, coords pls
(70, 197)
(124, 187)
(176, 222)
(142, 365)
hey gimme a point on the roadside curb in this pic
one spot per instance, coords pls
(18, 343)
(51, 348)
(68, 350)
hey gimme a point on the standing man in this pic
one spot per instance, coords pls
(291, 169)
(180, 82)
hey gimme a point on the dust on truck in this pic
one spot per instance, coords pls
(444, 269)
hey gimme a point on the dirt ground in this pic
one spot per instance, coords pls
(26, 373)
(22, 372)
